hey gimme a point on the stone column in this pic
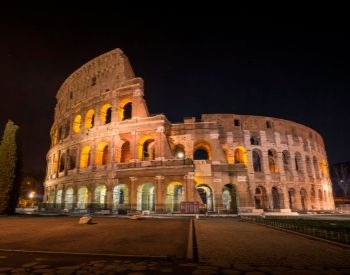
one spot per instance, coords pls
(159, 144)
(109, 202)
(160, 194)
(133, 147)
(63, 204)
(132, 193)
(189, 186)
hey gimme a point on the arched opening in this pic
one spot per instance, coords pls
(62, 162)
(241, 155)
(286, 161)
(77, 124)
(303, 197)
(324, 169)
(100, 197)
(291, 198)
(316, 168)
(206, 195)
(68, 198)
(125, 152)
(85, 157)
(174, 196)
(120, 196)
(308, 166)
(90, 119)
(276, 203)
(272, 156)
(229, 198)
(202, 151)
(298, 163)
(179, 151)
(102, 154)
(257, 161)
(106, 114)
(82, 197)
(146, 148)
(125, 109)
(145, 197)
(127, 112)
(58, 198)
(260, 198)
(72, 159)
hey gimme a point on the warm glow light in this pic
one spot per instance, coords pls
(180, 155)
(31, 195)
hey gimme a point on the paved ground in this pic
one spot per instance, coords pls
(109, 235)
(225, 246)
(225, 242)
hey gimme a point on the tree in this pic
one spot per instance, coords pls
(342, 177)
(10, 168)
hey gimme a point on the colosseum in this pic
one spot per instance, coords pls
(108, 153)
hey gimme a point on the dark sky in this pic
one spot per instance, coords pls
(283, 62)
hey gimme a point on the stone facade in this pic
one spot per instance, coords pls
(109, 153)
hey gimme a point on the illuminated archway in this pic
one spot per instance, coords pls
(229, 198)
(58, 198)
(82, 197)
(85, 157)
(120, 196)
(125, 152)
(206, 194)
(125, 109)
(77, 124)
(323, 168)
(100, 196)
(272, 157)
(146, 148)
(106, 113)
(241, 155)
(145, 197)
(102, 153)
(179, 151)
(174, 196)
(90, 119)
(68, 198)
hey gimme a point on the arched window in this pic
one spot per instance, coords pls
(82, 197)
(241, 155)
(125, 152)
(324, 169)
(85, 157)
(77, 124)
(90, 119)
(308, 166)
(316, 168)
(202, 151)
(106, 114)
(255, 139)
(148, 150)
(275, 198)
(72, 159)
(257, 161)
(298, 163)
(260, 198)
(272, 156)
(102, 154)
(179, 151)
(127, 112)
(286, 161)
(62, 162)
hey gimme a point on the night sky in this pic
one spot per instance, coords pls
(282, 62)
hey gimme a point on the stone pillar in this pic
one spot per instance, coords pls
(133, 193)
(63, 197)
(109, 199)
(133, 147)
(159, 144)
(75, 197)
(189, 186)
(160, 194)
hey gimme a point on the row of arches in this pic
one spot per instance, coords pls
(87, 121)
(145, 198)
(313, 168)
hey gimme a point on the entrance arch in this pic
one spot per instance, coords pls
(229, 198)
(145, 197)
(303, 196)
(276, 201)
(260, 198)
(120, 196)
(68, 198)
(82, 197)
(291, 198)
(174, 196)
(206, 195)
(100, 196)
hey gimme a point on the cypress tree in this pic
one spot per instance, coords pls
(10, 168)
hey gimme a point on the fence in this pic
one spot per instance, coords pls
(328, 234)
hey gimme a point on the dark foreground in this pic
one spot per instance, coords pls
(160, 246)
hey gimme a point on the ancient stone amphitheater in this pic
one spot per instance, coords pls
(110, 154)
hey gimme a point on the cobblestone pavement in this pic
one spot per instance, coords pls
(51, 264)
